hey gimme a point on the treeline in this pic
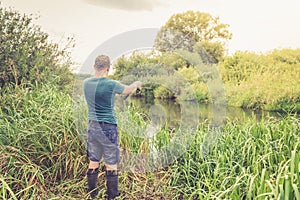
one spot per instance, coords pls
(189, 63)
(269, 81)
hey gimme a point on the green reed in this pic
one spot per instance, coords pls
(43, 153)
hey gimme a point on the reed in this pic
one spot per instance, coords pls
(43, 154)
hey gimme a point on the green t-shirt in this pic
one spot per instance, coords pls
(100, 96)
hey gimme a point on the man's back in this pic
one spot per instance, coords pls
(100, 96)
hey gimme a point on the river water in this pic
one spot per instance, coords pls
(175, 113)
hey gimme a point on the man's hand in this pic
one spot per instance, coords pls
(137, 85)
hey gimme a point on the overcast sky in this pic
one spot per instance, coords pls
(257, 25)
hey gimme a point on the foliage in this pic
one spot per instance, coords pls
(26, 56)
(153, 71)
(172, 60)
(162, 92)
(289, 56)
(43, 154)
(191, 74)
(241, 66)
(131, 64)
(82, 76)
(42, 140)
(258, 81)
(245, 160)
(185, 30)
(40, 145)
(198, 89)
(210, 52)
(263, 81)
(78, 85)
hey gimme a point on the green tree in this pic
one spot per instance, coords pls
(189, 29)
(172, 60)
(131, 63)
(210, 52)
(26, 55)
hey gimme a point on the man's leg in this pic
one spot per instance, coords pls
(112, 181)
(111, 155)
(94, 153)
(92, 178)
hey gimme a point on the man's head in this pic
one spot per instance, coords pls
(102, 62)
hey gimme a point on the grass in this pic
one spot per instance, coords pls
(250, 160)
(43, 154)
(40, 146)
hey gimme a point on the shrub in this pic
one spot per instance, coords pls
(26, 55)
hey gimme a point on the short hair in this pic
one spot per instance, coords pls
(102, 62)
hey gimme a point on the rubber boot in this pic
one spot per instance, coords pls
(112, 184)
(92, 178)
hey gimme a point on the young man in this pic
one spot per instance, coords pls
(102, 134)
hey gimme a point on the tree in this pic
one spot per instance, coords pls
(189, 29)
(210, 52)
(27, 57)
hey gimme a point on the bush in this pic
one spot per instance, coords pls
(174, 61)
(26, 56)
(270, 81)
(163, 93)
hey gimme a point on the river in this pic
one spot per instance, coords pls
(175, 113)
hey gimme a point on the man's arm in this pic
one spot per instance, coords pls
(129, 89)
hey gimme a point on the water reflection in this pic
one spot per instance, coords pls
(171, 111)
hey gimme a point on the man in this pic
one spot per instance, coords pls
(102, 134)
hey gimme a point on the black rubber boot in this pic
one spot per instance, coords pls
(92, 178)
(112, 184)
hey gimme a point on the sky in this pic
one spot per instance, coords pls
(257, 25)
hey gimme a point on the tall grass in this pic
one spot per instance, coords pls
(39, 143)
(43, 155)
(250, 160)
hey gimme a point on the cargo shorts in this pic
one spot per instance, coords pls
(103, 141)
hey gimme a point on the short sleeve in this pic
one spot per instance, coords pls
(118, 88)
